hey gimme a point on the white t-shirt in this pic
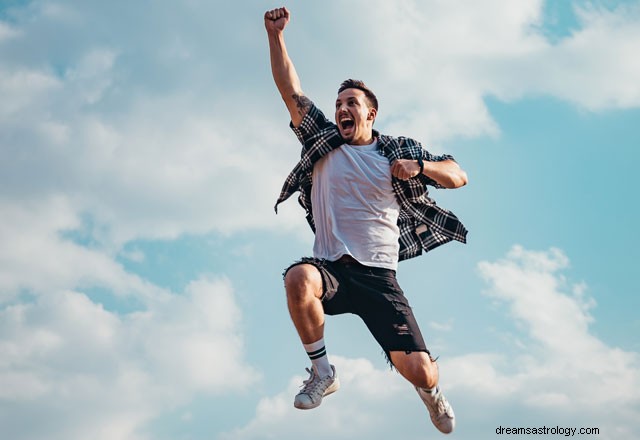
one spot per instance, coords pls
(354, 207)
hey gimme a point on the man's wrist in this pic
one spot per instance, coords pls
(421, 164)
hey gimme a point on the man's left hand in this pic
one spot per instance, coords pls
(405, 169)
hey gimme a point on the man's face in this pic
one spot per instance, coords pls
(354, 117)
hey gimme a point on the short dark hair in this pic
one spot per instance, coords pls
(357, 84)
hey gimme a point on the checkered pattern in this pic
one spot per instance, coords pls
(423, 225)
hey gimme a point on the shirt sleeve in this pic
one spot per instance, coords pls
(432, 158)
(414, 149)
(313, 125)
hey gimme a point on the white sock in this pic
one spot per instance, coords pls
(318, 355)
(432, 391)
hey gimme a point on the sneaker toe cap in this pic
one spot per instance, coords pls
(445, 424)
(304, 401)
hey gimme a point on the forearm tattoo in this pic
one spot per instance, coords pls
(303, 103)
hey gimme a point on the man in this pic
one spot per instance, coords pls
(366, 201)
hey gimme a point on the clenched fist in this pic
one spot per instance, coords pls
(405, 169)
(276, 20)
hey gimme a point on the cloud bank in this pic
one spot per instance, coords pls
(84, 371)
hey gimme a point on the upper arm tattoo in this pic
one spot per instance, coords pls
(303, 103)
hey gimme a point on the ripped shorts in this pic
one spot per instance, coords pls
(374, 295)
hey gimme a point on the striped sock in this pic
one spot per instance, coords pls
(318, 355)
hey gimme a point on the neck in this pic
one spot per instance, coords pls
(363, 141)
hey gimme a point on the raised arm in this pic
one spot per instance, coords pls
(282, 68)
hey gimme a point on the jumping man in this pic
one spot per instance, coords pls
(366, 200)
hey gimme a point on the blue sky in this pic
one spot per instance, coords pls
(143, 145)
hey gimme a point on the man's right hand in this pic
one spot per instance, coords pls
(284, 73)
(276, 20)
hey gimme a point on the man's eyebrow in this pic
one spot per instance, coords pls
(349, 98)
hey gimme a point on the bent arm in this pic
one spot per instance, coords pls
(447, 173)
(282, 68)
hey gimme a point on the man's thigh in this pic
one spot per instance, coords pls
(334, 298)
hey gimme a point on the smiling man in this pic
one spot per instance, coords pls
(366, 200)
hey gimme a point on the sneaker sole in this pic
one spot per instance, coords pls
(335, 386)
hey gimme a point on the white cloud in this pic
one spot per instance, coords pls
(163, 170)
(199, 338)
(442, 326)
(20, 88)
(89, 151)
(595, 67)
(352, 412)
(35, 256)
(434, 63)
(144, 144)
(83, 371)
(92, 76)
(562, 362)
(7, 32)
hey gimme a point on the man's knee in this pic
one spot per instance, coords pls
(303, 280)
(417, 367)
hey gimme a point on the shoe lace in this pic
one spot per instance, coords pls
(311, 386)
(441, 404)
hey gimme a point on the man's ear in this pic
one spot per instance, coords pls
(372, 114)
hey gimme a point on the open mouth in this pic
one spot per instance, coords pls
(346, 123)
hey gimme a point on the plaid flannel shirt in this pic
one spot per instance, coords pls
(423, 225)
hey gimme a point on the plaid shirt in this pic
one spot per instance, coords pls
(423, 225)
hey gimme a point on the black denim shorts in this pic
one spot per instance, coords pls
(374, 295)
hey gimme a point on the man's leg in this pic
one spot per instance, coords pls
(304, 288)
(303, 285)
(389, 317)
(419, 369)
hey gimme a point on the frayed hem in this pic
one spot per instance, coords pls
(317, 262)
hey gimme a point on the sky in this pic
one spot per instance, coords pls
(142, 148)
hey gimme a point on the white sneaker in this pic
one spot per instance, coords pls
(439, 409)
(315, 388)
